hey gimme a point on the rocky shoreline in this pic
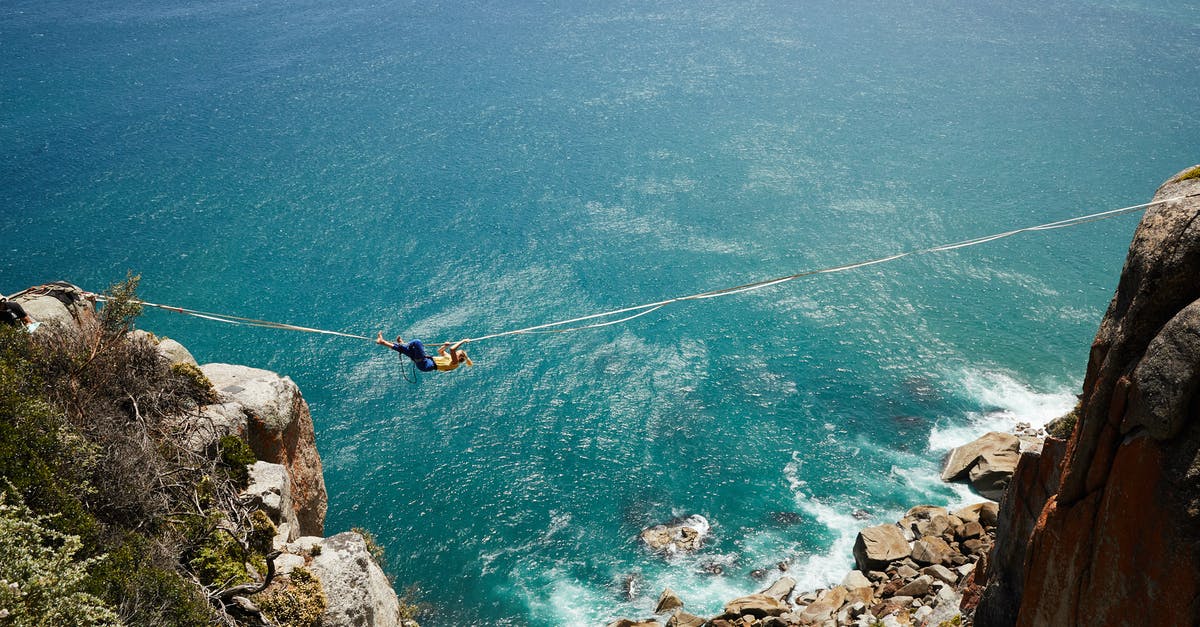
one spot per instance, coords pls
(917, 572)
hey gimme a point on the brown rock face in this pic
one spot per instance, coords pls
(1118, 543)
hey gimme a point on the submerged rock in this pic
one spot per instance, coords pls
(684, 535)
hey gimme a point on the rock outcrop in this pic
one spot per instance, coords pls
(358, 591)
(268, 411)
(1116, 538)
(58, 304)
(988, 463)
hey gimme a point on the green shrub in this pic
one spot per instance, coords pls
(296, 601)
(121, 307)
(43, 582)
(42, 459)
(234, 457)
(262, 532)
(142, 583)
(221, 561)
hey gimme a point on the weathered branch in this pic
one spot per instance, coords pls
(252, 588)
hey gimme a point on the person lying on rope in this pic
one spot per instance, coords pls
(448, 358)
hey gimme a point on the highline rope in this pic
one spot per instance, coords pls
(561, 326)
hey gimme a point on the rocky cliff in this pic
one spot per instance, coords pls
(1109, 535)
(268, 412)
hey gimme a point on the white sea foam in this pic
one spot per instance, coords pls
(822, 569)
(1004, 402)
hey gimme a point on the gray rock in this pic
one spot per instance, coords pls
(878, 546)
(683, 619)
(286, 563)
(757, 605)
(970, 530)
(685, 535)
(937, 571)
(270, 489)
(856, 579)
(358, 592)
(905, 571)
(279, 429)
(175, 353)
(985, 514)
(1167, 377)
(826, 605)
(963, 458)
(58, 305)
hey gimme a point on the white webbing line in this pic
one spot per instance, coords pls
(750, 287)
(550, 327)
(238, 320)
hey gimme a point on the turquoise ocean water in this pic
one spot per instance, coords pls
(449, 169)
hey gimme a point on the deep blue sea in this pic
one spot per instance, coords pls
(450, 169)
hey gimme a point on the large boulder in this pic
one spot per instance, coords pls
(992, 472)
(963, 458)
(781, 589)
(668, 601)
(826, 605)
(1116, 543)
(876, 547)
(358, 592)
(757, 605)
(272, 416)
(932, 550)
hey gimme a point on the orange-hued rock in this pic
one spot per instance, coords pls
(1118, 541)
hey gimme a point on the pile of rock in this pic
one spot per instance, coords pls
(912, 572)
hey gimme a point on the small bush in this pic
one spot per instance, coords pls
(140, 580)
(234, 458)
(297, 601)
(121, 307)
(43, 582)
(194, 383)
(262, 533)
(221, 561)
